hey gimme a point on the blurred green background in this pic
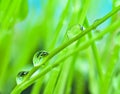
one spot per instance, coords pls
(27, 26)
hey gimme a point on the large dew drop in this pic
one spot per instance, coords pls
(21, 76)
(38, 57)
(74, 30)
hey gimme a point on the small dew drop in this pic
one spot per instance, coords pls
(38, 57)
(74, 30)
(117, 38)
(97, 32)
(97, 20)
(20, 76)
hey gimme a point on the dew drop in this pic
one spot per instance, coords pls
(38, 57)
(117, 38)
(97, 20)
(20, 76)
(74, 30)
(97, 32)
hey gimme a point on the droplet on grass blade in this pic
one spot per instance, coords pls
(21, 76)
(96, 21)
(38, 57)
(117, 38)
(74, 30)
(97, 32)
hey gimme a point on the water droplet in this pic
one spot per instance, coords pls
(97, 20)
(74, 30)
(97, 32)
(21, 76)
(117, 38)
(38, 57)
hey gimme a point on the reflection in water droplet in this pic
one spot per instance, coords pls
(21, 76)
(38, 57)
(74, 30)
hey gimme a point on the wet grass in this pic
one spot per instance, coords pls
(81, 60)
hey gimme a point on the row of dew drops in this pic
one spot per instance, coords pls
(40, 55)
(37, 59)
